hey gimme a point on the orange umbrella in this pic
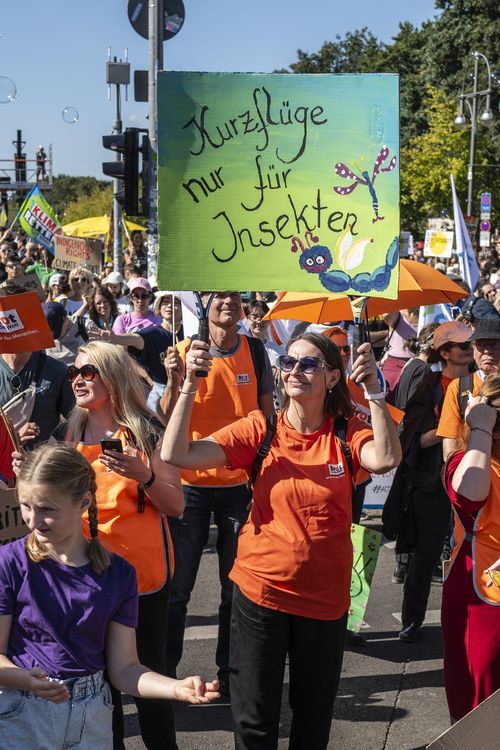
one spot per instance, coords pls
(419, 284)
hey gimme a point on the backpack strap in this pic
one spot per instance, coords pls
(340, 432)
(258, 354)
(263, 449)
(41, 363)
(465, 385)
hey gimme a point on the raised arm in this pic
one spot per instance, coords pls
(472, 477)
(383, 452)
(177, 449)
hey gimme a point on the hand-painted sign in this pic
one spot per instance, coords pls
(278, 182)
(366, 545)
(12, 526)
(72, 252)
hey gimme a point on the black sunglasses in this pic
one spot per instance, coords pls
(80, 279)
(307, 365)
(140, 297)
(345, 348)
(88, 372)
(463, 345)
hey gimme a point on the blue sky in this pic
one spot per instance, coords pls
(56, 53)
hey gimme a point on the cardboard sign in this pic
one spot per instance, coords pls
(479, 729)
(73, 252)
(271, 181)
(376, 492)
(438, 243)
(366, 545)
(12, 526)
(27, 282)
(23, 326)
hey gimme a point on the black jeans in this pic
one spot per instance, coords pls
(189, 537)
(431, 513)
(260, 641)
(156, 717)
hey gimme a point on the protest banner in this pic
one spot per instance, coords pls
(366, 544)
(271, 181)
(26, 282)
(377, 490)
(73, 252)
(37, 218)
(12, 526)
(23, 325)
(438, 244)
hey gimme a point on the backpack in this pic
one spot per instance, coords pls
(339, 430)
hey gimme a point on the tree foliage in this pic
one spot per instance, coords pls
(96, 203)
(67, 189)
(430, 61)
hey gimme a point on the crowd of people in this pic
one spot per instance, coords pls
(131, 439)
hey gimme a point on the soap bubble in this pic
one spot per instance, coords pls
(8, 90)
(70, 115)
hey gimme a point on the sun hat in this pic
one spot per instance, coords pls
(160, 296)
(451, 332)
(56, 278)
(113, 278)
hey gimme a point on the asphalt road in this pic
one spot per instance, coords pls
(391, 695)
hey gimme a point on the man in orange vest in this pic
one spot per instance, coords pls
(239, 381)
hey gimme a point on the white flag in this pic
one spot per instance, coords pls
(433, 314)
(469, 270)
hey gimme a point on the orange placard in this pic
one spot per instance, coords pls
(23, 325)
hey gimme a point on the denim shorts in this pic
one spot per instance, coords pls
(83, 722)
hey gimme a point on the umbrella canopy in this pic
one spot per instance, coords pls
(419, 284)
(95, 226)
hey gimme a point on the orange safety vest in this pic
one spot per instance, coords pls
(143, 539)
(227, 394)
(485, 540)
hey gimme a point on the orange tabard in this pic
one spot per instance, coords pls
(138, 537)
(485, 540)
(227, 394)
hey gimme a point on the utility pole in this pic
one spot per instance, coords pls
(155, 40)
(117, 74)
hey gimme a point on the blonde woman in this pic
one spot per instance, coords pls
(134, 491)
(80, 281)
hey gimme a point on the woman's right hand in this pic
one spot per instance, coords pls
(17, 459)
(198, 357)
(29, 431)
(38, 682)
(480, 414)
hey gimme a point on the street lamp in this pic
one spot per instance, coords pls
(486, 118)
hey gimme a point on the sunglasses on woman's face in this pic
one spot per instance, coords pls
(88, 372)
(139, 297)
(80, 279)
(463, 345)
(307, 365)
(344, 348)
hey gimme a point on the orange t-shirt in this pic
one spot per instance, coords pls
(295, 550)
(450, 422)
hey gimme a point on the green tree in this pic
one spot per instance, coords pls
(97, 203)
(67, 189)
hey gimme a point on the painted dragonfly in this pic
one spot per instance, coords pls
(343, 171)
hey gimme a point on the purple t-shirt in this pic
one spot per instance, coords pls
(132, 322)
(60, 614)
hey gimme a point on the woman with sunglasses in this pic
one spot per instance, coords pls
(135, 490)
(293, 567)
(80, 281)
(99, 311)
(423, 456)
(141, 297)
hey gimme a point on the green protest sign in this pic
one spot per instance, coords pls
(271, 181)
(366, 545)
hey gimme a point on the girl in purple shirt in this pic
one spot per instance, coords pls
(68, 608)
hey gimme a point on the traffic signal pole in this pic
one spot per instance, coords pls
(117, 209)
(155, 39)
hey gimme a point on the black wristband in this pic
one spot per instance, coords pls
(150, 481)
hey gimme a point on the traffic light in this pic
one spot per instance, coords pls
(127, 169)
(145, 175)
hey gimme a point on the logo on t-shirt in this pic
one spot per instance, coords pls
(10, 321)
(244, 378)
(335, 470)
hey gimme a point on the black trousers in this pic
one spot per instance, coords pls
(260, 641)
(156, 717)
(431, 513)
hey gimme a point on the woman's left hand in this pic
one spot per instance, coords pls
(364, 369)
(127, 464)
(195, 690)
(495, 567)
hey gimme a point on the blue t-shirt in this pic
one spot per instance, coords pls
(60, 614)
(156, 342)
